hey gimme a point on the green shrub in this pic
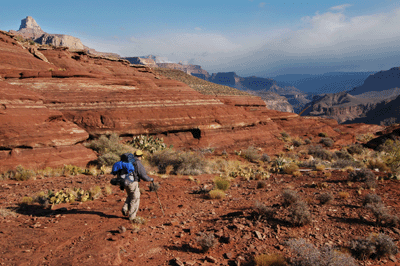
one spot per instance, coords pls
(95, 193)
(72, 170)
(148, 143)
(222, 183)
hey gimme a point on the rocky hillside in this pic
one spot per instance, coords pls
(377, 91)
(55, 98)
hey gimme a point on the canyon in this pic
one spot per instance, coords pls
(55, 99)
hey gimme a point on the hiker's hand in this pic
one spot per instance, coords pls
(152, 179)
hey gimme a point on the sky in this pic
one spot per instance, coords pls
(250, 37)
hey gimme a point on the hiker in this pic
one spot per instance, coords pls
(131, 205)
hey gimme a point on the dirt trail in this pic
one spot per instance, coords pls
(90, 233)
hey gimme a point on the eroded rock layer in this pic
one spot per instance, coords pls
(53, 99)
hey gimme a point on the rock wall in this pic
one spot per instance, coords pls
(50, 107)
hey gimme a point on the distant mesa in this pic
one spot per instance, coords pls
(29, 29)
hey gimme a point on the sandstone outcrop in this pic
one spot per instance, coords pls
(48, 109)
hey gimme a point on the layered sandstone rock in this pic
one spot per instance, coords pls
(49, 108)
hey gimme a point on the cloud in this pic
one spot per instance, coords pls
(198, 29)
(340, 7)
(262, 4)
(328, 40)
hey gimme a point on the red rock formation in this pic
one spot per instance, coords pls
(50, 106)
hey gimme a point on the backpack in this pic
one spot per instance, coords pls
(128, 158)
(124, 172)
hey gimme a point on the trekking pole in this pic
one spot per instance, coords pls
(158, 199)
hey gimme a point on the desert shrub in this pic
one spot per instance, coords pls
(343, 195)
(391, 150)
(343, 163)
(297, 142)
(184, 163)
(344, 155)
(377, 164)
(95, 192)
(328, 142)
(322, 135)
(319, 167)
(307, 141)
(206, 241)
(109, 148)
(372, 199)
(264, 211)
(299, 213)
(325, 198)
(374, 246)
(290, 168)
(364, 175)
(265, 158)
(355, 149)
(319, 152)
(108, 159)
(216, 194)
(251, 154)
(222, 183)
(289, 197)
(382, 214)
(269, 260)
(285, 135)
(192, 163)
(154, 186)
(306, 254)
(72, 170)
(148, 143)
(27, 201)
(108, 190)
(22, 174)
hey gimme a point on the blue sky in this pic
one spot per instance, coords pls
(251, 37)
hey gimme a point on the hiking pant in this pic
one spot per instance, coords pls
(132, 201)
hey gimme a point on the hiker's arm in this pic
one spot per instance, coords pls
(142, 172)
